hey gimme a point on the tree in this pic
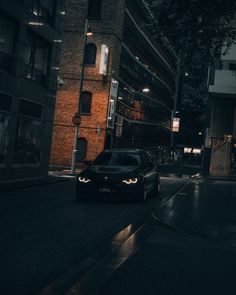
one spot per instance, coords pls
(197, 30)
(196, 27)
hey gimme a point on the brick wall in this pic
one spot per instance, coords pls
(107, 30)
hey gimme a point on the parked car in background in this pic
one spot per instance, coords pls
(119, 173)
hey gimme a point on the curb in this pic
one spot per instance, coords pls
(8, 186)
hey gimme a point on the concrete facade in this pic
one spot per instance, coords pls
(120, 113)
(29, 55)
(222, 88)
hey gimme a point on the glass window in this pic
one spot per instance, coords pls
(94, 8)
(103, 159)
(29, 108)
(5, 102)
(232, 67)
(4, 135)
(28, 139)
(86, 101)
(118, 159)
(36, 58)
(43, 9)
(7, 35)
(29, 133)
(90, 54)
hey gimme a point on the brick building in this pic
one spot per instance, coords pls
(126, 101)
(30, 41)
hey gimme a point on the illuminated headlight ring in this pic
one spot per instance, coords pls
(83, 179)
(130, 181)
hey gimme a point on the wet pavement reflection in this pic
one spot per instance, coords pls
(203, 207)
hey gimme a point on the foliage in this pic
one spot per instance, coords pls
(194, 104)
(196, 29)
(196, 26)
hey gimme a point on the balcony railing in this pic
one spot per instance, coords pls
(133, 12)
(130, 112)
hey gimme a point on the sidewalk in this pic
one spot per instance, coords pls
(54, 175)
(179, 170)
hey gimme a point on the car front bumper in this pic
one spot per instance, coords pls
(119, 191)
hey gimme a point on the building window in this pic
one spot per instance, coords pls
(29, 133)
(90, 54)
(43, 9)
(94, 8)
(36, 58)
(5, 108)
(86, 101)
(7, 35)
(232, 67)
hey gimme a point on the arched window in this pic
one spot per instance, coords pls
(94, 8)
(90, 54)
(82, 149)
(86, 101)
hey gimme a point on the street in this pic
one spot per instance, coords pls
(45, 231)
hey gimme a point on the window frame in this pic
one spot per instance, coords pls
(32, 46)
(90, 96)
(92, 8)
(88, 55)
(5, 55)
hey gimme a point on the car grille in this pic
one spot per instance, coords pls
(109, 181)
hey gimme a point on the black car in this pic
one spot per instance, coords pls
(119, 173)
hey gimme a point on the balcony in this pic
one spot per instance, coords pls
(141, 72)
(142, 117)
(155, 51)
(223, 83)
(129, 112)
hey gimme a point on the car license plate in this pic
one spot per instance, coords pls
(105, 189)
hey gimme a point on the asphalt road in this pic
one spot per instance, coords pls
(190, 250)
(45, 231)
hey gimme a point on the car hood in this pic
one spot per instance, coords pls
(112, 171)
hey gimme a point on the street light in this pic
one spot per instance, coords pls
(146, 90)
(77, 117)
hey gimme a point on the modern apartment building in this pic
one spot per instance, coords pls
(128, 84)
(222, 133)
(30, 41)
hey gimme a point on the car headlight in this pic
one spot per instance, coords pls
(130, 181)
(84, 179)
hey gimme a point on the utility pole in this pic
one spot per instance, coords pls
(176, 95)
(77, 117)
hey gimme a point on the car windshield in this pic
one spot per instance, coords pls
(118, 159)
